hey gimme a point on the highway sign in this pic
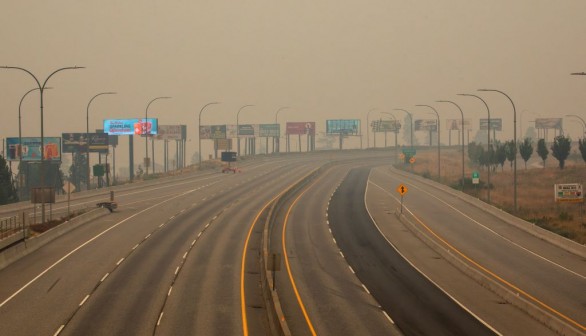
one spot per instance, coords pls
(475, 177)
(409, 151)
(402, 190)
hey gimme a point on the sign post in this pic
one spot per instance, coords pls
(402, 190)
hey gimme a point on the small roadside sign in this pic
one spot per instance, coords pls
(568, 192)
(402, 190)
(475, 177)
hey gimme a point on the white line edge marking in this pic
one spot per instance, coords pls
(84, 300)
(83, 245)
(365, 289)
(104, 277)
(388, 317)
(59, 330)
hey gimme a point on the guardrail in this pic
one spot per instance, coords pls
(12, 230)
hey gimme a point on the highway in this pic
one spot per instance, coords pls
(180, 257)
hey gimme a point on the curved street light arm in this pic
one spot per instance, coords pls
(199, 128)
(488, 137)
(514, 141)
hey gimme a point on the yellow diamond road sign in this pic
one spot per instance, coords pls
(401, 189)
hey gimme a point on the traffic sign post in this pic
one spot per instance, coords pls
(402, 190)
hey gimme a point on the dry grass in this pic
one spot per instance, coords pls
(535, 188)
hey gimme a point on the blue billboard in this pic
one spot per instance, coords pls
(343, 126)
(131, 126)
(29, 149)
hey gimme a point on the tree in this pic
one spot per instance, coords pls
(77, 170)
(542, 150)
(560, 149)
(582, 147)
(526, 150)
(7, 189)
(510, 151)
(474, 152)
(500, 155)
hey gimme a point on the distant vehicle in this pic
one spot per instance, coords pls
(231, 169)
(110, 205)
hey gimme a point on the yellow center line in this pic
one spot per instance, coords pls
(489, 272)
(242, 266)
(301, 305)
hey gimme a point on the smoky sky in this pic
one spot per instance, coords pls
(323, 59)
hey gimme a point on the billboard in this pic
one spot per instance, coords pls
(425, 125)
(246, 131)
(30, 148)
(545, 123)
(131, 126)
(456, 124)
(170, 132)
(304, 127)
(78, 142)
(270, 130)
(99, 142)
(495, 124)
(343, 126)
(74, 142)
(212, 132)
(387, 126)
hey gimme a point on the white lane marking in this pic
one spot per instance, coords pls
(351, 269)
(59, 330)
(162, 224)
(135, 246)
(334, 239)
(119, 262)
(388, 317)
(198, 235)
(365, 289)
(177, 270)
(159, 320)
(147, 236)
(170, 290)
(84, 300)
(185, 255)
(85, 244)
(342, 254)
(104, 277)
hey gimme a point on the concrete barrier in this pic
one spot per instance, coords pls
(30, 245)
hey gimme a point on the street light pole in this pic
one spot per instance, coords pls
(277, 139)
(368, 127)
(438, 140)
(146, 132)
(582, 120)
(19, 151)
(198, 132)
(514, 141)
(462, 130)
(411, 119)
(42, 89)
(238, 127)
(488, 129)
(87, 131)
